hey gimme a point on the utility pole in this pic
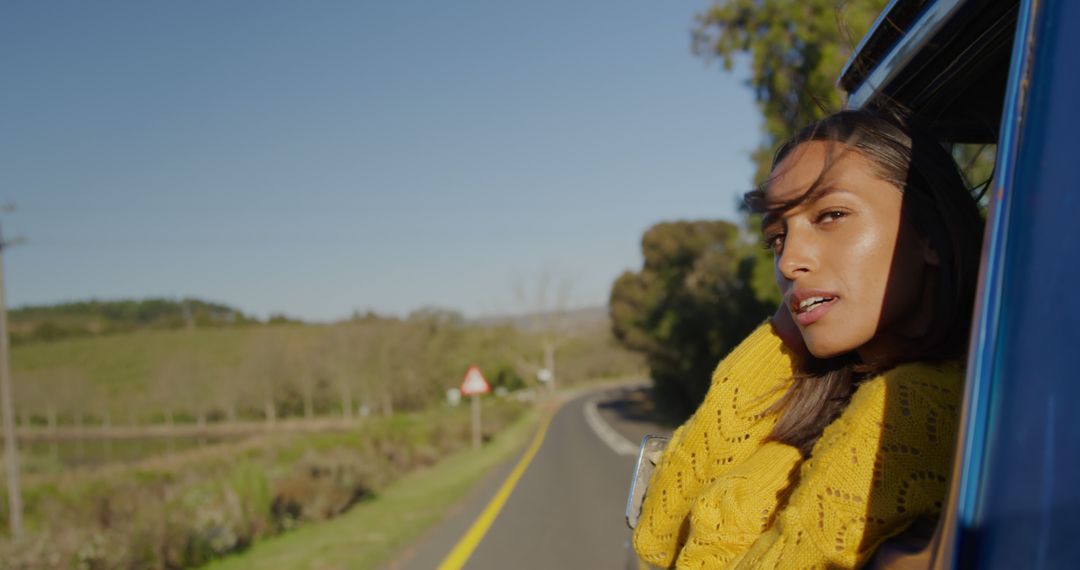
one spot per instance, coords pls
(11, 457)
(549, 360)
(547, 318)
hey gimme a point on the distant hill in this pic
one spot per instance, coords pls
(44, 323)
(570, 320)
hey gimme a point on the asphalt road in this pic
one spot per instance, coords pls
(567, 510)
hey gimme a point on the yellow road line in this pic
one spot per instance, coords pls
(468, 543)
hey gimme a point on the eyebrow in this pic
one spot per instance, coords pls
(772, 214)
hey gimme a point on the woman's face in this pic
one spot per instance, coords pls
(853, 273)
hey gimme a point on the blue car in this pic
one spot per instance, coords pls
(1004, 73)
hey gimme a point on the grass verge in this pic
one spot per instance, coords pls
(372, 532)
(185, 509)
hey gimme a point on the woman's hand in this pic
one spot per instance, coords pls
(788, 331)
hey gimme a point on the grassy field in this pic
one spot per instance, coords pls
(124, 375)
(371, 533)
(187, 508)
(119, 365)
(385, 380)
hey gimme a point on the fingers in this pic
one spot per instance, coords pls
(654, 456)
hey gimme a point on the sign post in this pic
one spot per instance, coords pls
(473, 385)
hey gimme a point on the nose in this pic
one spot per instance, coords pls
(797, 257)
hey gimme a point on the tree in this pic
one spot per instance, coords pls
(266, 369)
(443, 355)
(299, 361)
(410, 356)
(338, 353)
(796, 50)
(170, 380)
(221, 393)
(689, 305)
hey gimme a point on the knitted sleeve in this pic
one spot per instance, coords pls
(724, 431)
(876, 469)
(733, 512)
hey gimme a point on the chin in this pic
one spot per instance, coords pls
(826, 348)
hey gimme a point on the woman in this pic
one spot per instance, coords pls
(831, 428)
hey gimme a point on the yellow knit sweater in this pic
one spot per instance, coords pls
(721, 498)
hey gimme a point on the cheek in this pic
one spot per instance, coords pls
(861, 258)
(867, 266)
(907, 273)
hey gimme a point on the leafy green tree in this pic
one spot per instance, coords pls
(796, 49)
(689, 305)
(50, 323)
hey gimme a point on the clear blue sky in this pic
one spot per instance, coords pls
(314, 158)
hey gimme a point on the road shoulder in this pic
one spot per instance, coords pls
(372, 532)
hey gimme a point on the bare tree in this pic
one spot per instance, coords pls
(264, 369)
(35, 389)
(545, 302)
(226, 391)
(169, 380)
(352, 352)
(298, 359)
(385, 375)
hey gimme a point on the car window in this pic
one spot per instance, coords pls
(1022, 451)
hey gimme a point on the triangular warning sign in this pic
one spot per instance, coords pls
(474, 382)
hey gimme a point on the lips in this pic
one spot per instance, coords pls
(809, 305)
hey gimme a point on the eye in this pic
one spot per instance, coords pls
(829, 216)
(773, 241)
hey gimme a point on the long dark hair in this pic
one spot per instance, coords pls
(940, 207)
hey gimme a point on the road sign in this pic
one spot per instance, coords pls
(474, 382)
(473, 385)
(453, 396)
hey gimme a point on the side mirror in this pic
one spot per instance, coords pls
(652, 446)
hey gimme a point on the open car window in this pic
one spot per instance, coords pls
(1003, 74)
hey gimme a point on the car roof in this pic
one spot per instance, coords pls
(945, 60)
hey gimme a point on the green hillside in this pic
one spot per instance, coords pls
(265, 371)
(44, 323)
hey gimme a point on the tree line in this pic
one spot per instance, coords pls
(47, 323)
(369, 365)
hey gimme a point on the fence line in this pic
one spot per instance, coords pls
(163, 431)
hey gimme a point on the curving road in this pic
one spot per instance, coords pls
(566, 510)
